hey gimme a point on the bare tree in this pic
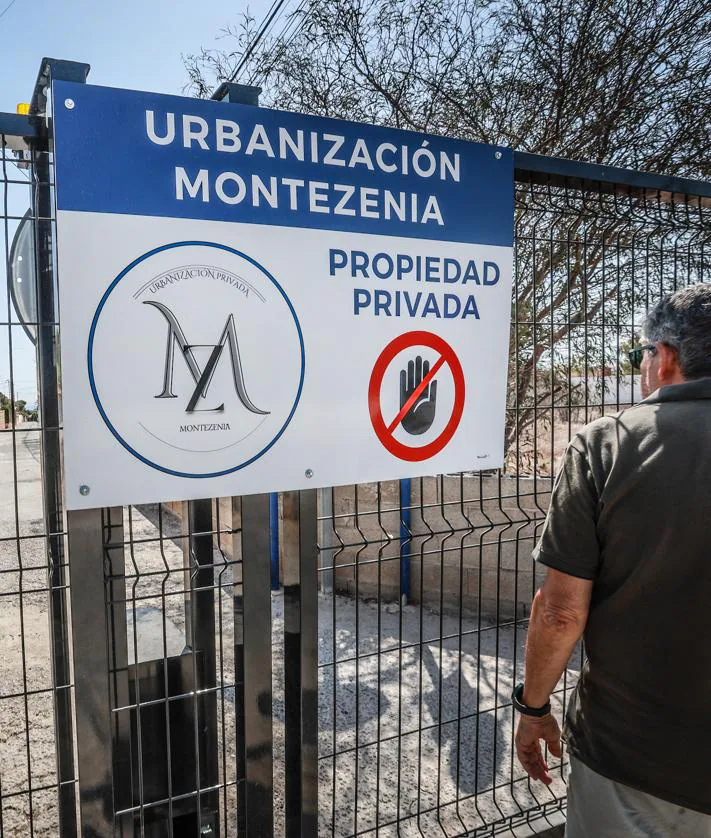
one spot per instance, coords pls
(619, 82)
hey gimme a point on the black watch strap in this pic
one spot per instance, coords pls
(524, 709)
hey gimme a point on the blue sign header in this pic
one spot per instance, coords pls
(122, 151)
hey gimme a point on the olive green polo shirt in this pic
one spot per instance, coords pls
(631, 510)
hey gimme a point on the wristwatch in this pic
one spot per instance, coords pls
(524, 709)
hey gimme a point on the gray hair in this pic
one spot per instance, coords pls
(683, 320)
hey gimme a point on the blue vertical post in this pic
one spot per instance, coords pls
(405, 539)
(274, 538)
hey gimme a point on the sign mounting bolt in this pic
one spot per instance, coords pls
(309, 473)
(69, 104)
(84, 490)
(498, 155)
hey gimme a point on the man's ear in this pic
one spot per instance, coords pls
(669, 371)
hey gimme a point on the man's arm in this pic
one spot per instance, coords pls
(558, 617)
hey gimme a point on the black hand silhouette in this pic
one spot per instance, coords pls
(420, 416)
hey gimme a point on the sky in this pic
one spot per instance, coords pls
(135, 44)
(132, 43)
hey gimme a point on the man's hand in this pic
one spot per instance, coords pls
(528, 745)
(558, 617)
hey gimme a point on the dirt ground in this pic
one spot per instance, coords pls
(409, 719)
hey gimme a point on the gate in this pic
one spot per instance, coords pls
(152, 682)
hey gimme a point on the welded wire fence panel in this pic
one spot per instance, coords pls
(415, 719)
(173, 577)
(175, 613)
(416, 733)
(37, 777)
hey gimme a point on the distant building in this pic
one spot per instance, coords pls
(610, 391)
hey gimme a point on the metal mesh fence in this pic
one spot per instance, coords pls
(174, 590)
(416, 721)
(424, 586)
(37, 777)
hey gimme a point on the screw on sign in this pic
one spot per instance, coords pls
(418, 396)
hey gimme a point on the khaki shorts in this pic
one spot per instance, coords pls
(601, 808)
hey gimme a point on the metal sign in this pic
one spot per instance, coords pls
(255, 300)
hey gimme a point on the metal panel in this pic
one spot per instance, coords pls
(238, 629)
(201, 623)
(300, 663)
(90, 631)
(257, 617)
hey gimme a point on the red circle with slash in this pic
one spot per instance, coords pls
(385, 433)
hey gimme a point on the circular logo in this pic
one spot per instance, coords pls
(418, 382)
(196, 359)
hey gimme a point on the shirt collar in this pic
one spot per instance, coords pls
(697, 388)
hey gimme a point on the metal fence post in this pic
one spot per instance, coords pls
(48, 392)
(257, 653)
(238, 620)
(274, 538)
(200, 625)
(301, 663)
(253, 627)
(90, 637)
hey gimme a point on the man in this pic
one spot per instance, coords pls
(627, 543)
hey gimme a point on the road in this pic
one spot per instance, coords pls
(20, 458)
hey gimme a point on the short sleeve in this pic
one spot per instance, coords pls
(569, 540)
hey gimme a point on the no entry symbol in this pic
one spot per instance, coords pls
(418, 396)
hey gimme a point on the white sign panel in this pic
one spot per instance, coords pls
(254, 300)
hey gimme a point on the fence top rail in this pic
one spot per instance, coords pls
(17, 125)
(559, 171)
(529, 168)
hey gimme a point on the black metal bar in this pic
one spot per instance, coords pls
(289, 538)
(300, 664)
(252, 627)
(308, 557)
(257, 614)
(238, 622)
(18, 125)
(243, 94)
(55, 69)
(47, 359)
(558, 171)
(202, 644)
(90, 633)
(117, 641)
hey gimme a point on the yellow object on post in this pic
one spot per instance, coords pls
(23, 109)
